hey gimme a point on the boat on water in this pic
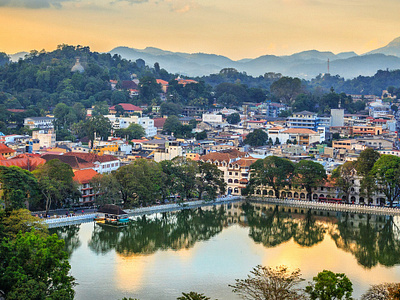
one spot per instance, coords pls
(111, 214)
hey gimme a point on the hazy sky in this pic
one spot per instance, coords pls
(237, 29)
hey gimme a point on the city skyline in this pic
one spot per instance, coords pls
(234, 29)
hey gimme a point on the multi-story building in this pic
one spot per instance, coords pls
(308, 120)
(39, 122)
(124, 122)
(235, 167)
(83, 178)
(47, 138)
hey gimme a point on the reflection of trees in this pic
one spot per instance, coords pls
(168, 231)
(366, 249)
(269, 228)
(369, 244)
(70, 234)
(389, 243)
(104, 238)
(308, 232)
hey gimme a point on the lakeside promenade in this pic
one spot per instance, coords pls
(351, 208)
(60, 221)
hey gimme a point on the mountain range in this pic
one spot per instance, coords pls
(306, 64)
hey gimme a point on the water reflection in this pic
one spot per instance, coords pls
(146, 235)
(70, 234)
(371, 239)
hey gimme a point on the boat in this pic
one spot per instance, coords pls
(112, 215)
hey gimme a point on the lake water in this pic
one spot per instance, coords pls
(204, 250)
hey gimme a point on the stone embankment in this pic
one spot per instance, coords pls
(71, 220)
(351, 208)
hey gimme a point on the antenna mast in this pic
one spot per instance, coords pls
(328, 66)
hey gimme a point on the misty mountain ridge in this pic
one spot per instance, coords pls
(306, 64)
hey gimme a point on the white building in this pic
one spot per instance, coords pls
(212, 118)
(39, 122)
(124, 122)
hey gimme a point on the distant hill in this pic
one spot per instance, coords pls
(17, 56)
(393, 48)
(306, 64)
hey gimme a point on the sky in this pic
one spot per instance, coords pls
(236, 29)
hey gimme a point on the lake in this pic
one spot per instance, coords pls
(160, 256)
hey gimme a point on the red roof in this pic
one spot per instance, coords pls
(5, 149)
(92, 157)
(15, 110)
(84, 176)
(159, 122)
(127, 107)
(26, 162)
(162, 82)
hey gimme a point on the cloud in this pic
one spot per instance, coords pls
(130, 1)
(34, 4)
(181, 6)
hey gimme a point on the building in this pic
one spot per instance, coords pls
(5, 151)
(308, 120)
(128, 108)
(235, 167)
(47, 138)
(300, 136)
(39, 122)
(337, 117)
(83, 178)
(124, 122)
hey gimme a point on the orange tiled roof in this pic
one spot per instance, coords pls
(128, 107)
(162, 82)
(24, 162)
(5, 149)
(246, 161)
(226, 155)
(92, 157)
(84, 176)
(300, 130)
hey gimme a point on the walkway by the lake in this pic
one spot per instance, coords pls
(351, 208)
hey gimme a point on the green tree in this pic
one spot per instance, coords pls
(256, 138)
(309, 174)
(201, 135)
(172, 125)
(210, 180)
(106, 188)
(328, 286)
(98, 126)
(133, 131)
(140, 182)
(56, 184)
(184, 172)
(272, 171)
(386, 171)
(267, 283)
(287, 89)
(192, 296)
(19, 220)
(233, 118)
(35, 267)
(364, 165)
(18, 187)
(344, 176)
(170, 109)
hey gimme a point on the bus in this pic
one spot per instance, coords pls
(330, 200)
